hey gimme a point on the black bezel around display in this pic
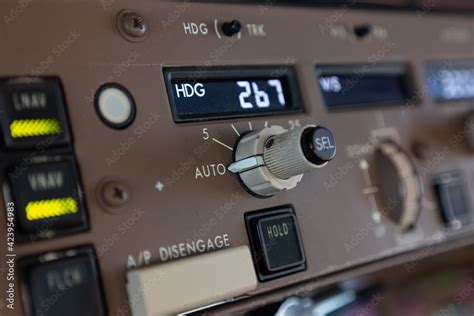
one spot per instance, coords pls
(287, 73)
(401, 70)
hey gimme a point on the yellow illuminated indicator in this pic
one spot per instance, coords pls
(50, 208)
(34, 127)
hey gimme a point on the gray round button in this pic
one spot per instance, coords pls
(115, 105)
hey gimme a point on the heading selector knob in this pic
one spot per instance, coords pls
(274, 159)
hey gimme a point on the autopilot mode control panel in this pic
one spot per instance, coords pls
(161, 157)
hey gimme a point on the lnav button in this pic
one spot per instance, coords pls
(34, 114)
(276, 242)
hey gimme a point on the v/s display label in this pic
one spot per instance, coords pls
(360, 85)
(216, 93)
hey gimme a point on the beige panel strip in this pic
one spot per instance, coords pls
(190, 283)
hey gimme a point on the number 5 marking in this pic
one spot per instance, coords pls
(205, 134)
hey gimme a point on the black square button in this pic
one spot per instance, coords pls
(47, 199)
(450, 189)
(34, 113)
(63, 283)
(276, 242)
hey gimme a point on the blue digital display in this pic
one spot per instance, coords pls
(450, 83)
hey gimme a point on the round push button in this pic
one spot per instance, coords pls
(319, 145)
(115, 105)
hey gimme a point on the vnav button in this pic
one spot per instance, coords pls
(33, 113)
(47, 199)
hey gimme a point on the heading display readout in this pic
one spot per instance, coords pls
(219, 93)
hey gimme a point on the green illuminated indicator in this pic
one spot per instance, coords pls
(50, 208)
(34, 127)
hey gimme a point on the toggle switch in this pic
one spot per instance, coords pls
(231, 28)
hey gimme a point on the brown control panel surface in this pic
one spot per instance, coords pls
(138, 139)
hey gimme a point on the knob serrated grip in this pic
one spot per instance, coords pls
(283, 154)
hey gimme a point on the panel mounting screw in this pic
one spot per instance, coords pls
(131, 25)
(115, 194)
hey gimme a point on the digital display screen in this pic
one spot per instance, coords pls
(350, 86)
(219, 93)
(450, 82)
